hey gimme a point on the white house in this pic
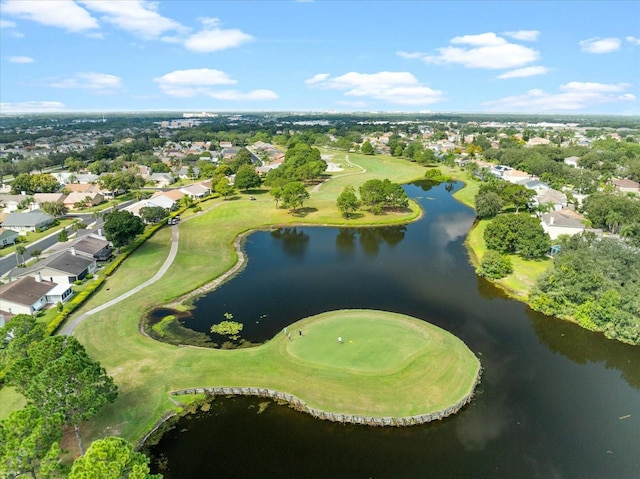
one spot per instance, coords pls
(567, 222)
(26, 295)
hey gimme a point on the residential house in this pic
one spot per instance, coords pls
(537, 141)
(196, 191)
(161, 180)
(91, 245)
(41, 198)
(87, 199)
(28, 295)
(7, 237)
(159, 201)
(515, 176)
(626, 186)
(535, 185)
(552, 197)
(30, 221)
(565, 221)
(572, 161)
(63, 267)
(10, 203)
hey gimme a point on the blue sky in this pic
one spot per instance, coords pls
(455, 56)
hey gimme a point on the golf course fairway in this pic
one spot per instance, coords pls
(364, 363)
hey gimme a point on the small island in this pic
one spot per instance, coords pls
(359, 366)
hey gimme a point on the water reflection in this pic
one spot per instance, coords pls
(555, 400)
(294, 241)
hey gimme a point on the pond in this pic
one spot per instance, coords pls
(555, 400)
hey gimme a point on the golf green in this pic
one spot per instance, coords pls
(361, 341)
(385, 364)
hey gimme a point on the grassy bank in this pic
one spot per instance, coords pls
(146, 370)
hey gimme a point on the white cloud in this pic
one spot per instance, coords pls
(633, 40)
(410, 55)
(32, 106)
(100, 83)
(320, 77)
(234, 95)
(486, 50)
(139, 17)
(21, 59)
(201, 82)
(524, 35)
(600, 45)
(7, 24)
(524, 72)
(393, 87)
(216, 39)
(573, 96)
(55, 13)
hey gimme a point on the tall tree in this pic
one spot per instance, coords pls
(223, 187)
(112, 458)
(121, 227)
(30, 443)
(517, 233)
(59, 377)
(19, 334)
(347, 201)
(20, 251)
(153, 214)
(488, 204)
(246, 178)
(294, 194)
(55, 208)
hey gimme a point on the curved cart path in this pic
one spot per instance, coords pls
(70, 326)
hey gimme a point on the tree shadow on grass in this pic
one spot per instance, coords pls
(302, 212)
(353, 216)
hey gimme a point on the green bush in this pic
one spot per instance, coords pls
(494, 265)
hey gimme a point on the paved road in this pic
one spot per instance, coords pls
(71, 325)
(9, 262)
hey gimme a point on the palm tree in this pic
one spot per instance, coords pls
(614, 220)
(20, 250)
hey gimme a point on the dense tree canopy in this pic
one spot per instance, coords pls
(112, 458)
(30, 443)
(153, 214)
(488, 204)
(518, 234)
(380, 194)
(38, 183)
(597, 282)
(121, 227)
(246, 178)
(301, 163)
(59, 377)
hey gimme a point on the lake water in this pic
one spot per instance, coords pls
(556, 401)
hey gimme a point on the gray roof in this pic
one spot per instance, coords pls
(69, 263)
(32, 218)
(63, 261)
(25, 291)
(564, 218)
(90, 244)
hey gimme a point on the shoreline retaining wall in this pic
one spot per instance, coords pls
(299, 405)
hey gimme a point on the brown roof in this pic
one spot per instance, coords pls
(171, 194)
(25, 291)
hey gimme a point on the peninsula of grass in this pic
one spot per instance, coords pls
(365, 363)
(145, 370)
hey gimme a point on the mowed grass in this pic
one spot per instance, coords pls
(371, 342)
(146, 370)
(525, 272)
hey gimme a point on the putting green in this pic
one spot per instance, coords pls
(387, 364)
(370, 342)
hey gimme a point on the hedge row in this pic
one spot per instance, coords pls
(81, 297)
